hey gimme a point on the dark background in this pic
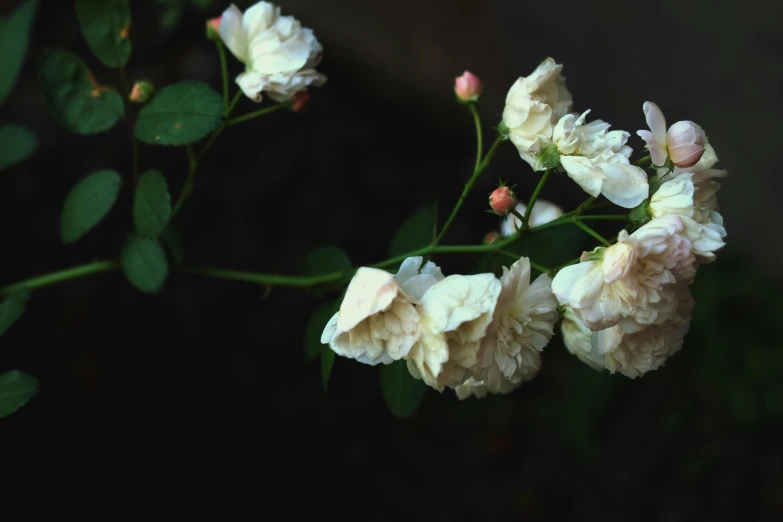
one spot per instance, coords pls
(205, 386)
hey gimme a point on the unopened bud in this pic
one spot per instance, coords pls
(142, 92)
(213, 29)
(300, 100)
(685, 142)
(491, 237)
(468, 87)
(502, 200)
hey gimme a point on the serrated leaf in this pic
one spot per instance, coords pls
(105, 25)
(327, 362)
(313, 330)
(12, 308)
(403, 394)
(88, 203)
(151, 204)
(144, 263)
(16, 389)
(72, 96)
(14, 37)
(415, 232)
(180, 114)
(172, 241)
(18, 144)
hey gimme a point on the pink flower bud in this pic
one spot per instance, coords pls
(468, 87)
(142, 92)
(685, 142)
(213, 29)
(300, 100)
(491, 237)
(502, 200)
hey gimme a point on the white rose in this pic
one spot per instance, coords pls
(598, 162)
(578, 338)
(533, 104)
(280, 55)
(455, 314)
(416, 280)
(629, 283)
(634, 354)
(522, 325)
(543, 212)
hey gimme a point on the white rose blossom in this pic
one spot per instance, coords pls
(378, 321)
(634, 354)
(533, 105)
(630, 283)
(598, 161)
(543, 212)
(522, 325)
(279, 54)
(455, 314)
(578, 338)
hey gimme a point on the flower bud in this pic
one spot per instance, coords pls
(491, 237)
(685, 142)
(300, 100)
(142, 92)
(468, 87)
(502, 200)
(213, 29)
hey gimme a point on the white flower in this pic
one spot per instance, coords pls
(522, 325)
(471, 387)
(697, 204)
(414, 281)
(634, 354)
(455, 313)
(684, 142)
(543, 212)
(280, 55)
(578, 338)
(533, 105)
(598, 162)
(630, 283)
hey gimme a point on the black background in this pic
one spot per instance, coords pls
(204, 388)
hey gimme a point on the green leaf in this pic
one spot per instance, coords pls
(326, 259)
(18, 144)
(144, 263)
(151, 204)
(327, 362)
(16, 388)
(12, 308)
(415, 232)
(14, 36)
(88, 202)
(172, 240)
(401, 391)
(72, 96)
(179, 114)
(315, 327)
(105, 25)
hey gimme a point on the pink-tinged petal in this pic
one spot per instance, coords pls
(655, 121)
(584, 172)
(625, 185)
(232, 33)
(656, 147)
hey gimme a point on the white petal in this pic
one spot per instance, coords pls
(258, 18)
(656, 122)
(624, 185)
(370, 291)
(251, 84)
(568, 277)
(586, 174)
(233, 35)
(329, 329)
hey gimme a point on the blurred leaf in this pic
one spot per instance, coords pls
(315, 327)
(401, 391)
(18, 144)
(326, 259)
(202, 4)
(151, 205)
(72, 96)
(14, 36)
(144, 262)
(172, 240)
(327, 362)
(180, 114)
(415, 232)
(12, 308)
(88, 202)
(551, 247)
(105, 25)
(170, 14)
(16, 388)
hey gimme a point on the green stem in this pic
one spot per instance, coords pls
(531, 203)
(643, 160)
(584, 205)
(223, 70)
(473, 106)
(61, 276)
(592, 232)
(262, 112)
(468, 187)
(261, 279)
